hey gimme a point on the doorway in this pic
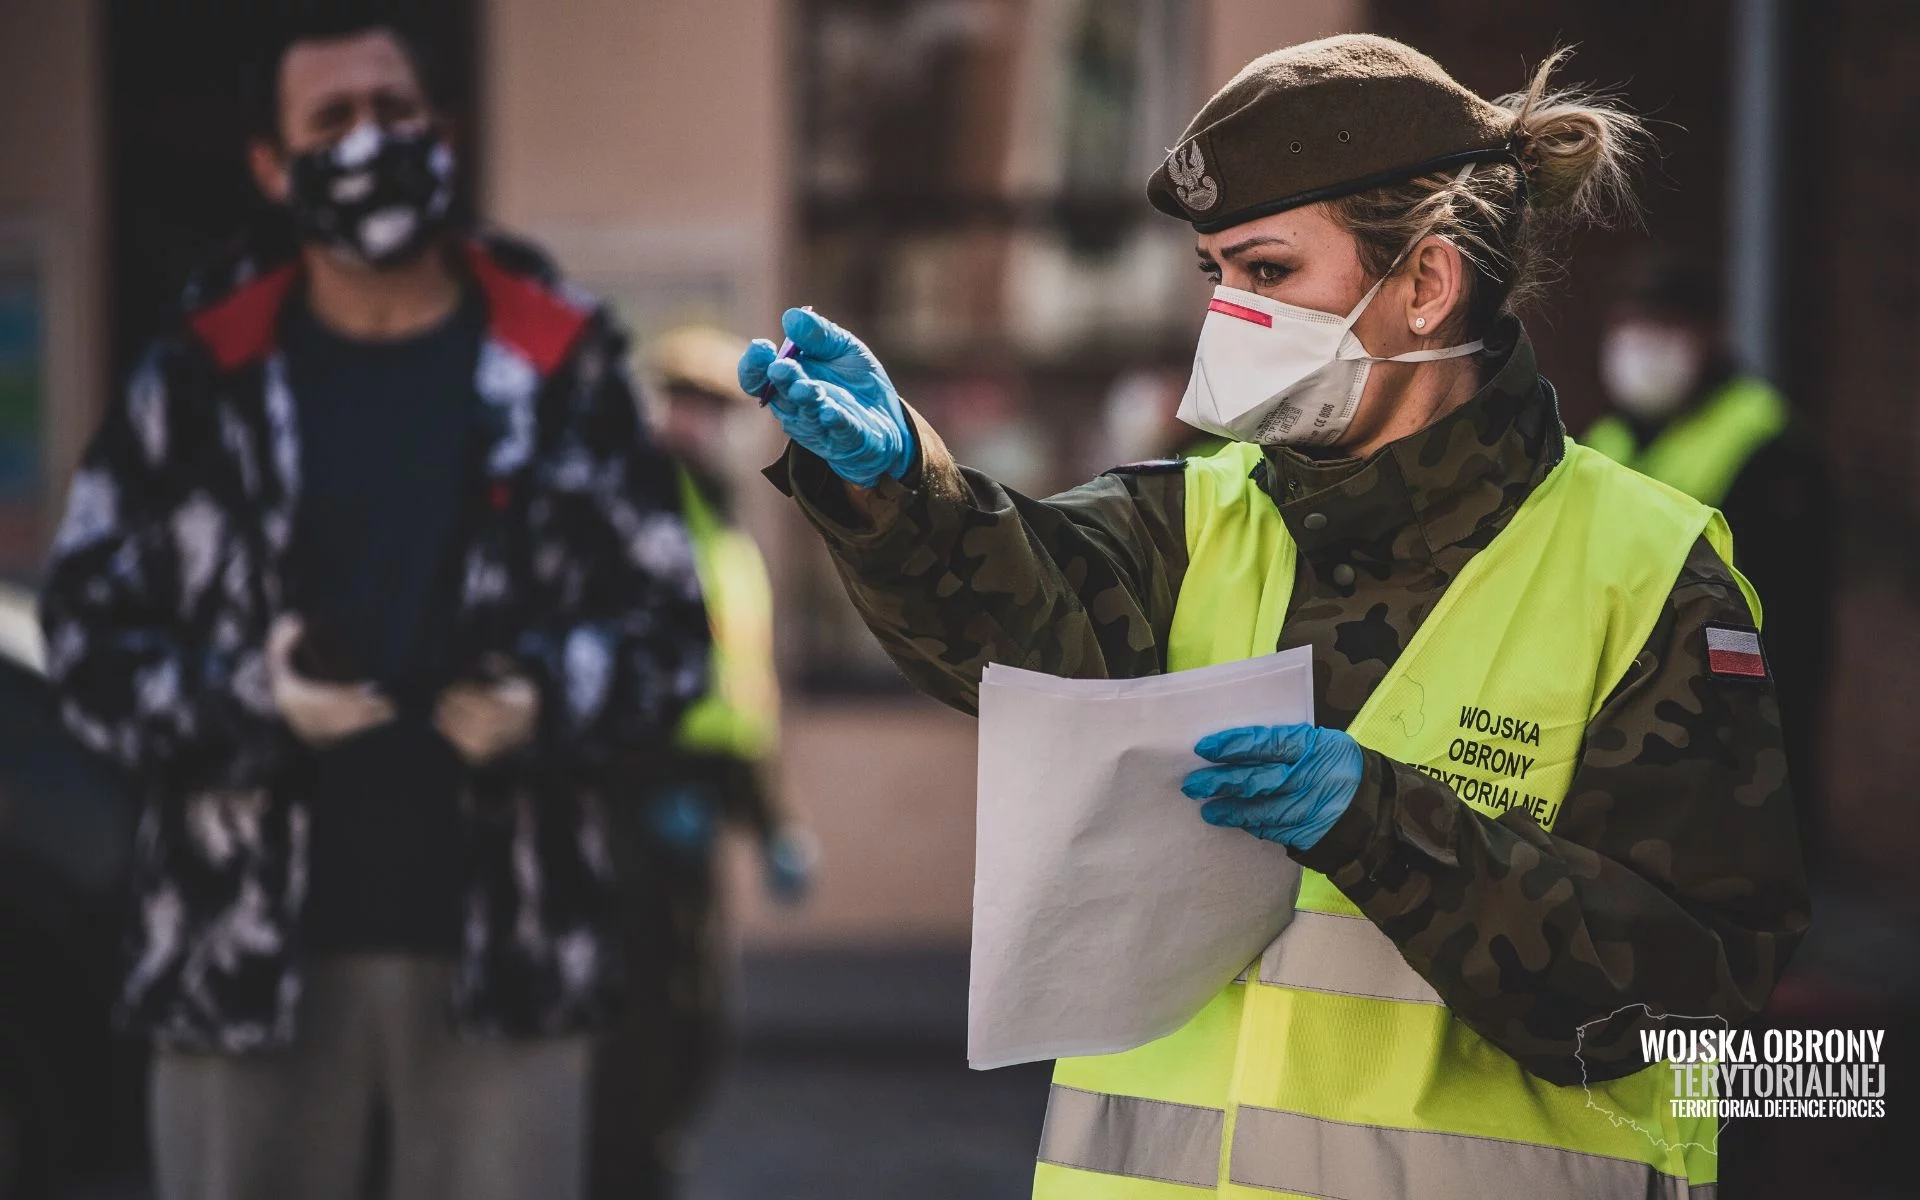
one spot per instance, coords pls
(177, 132)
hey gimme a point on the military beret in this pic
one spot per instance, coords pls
(1320, 120)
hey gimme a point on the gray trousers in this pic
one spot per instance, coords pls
(464, 1119)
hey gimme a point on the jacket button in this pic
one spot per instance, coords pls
(1314, 522)
(1343, 575)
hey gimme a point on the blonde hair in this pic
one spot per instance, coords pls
(1577, 150)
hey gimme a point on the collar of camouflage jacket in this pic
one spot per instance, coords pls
(1465, 472)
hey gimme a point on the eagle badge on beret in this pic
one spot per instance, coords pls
(1191, 183)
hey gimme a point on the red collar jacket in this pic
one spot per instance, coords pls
(168, 568)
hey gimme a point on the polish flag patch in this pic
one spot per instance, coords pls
(1733, 652)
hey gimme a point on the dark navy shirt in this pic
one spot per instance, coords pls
(386, 441)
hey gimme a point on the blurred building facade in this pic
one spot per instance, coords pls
(960, 181)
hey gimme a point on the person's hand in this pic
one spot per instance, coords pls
(1285, 783)
(790, 856)
(485, 720)
(320, 714)
(833, 397)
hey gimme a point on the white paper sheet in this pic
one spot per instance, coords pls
(1106, 913)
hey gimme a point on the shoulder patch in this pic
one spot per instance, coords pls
(1151, 466)
(1733, 652)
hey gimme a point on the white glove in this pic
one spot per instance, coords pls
(320, 714)
(486, 720)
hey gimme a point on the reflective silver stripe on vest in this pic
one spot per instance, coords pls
(1331, 952)
(1126, 1135)
(1289, 1152)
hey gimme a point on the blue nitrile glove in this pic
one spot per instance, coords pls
(684, 820)
(1284, 783)
(790, 857)
(834, 398)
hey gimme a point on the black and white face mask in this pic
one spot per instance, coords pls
(375, 196)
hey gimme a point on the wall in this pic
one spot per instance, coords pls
(645, 145)
(642, 140)
(1852, 307)
(52, 193)
(888, 788)
(1239, 31)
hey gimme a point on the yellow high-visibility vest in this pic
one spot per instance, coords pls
(1703, 451)
(740, 713)
(1333, 1069)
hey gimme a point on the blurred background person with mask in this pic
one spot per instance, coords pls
(368, 578)
(657, 1067)
(1686, 414)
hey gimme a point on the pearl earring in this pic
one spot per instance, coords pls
(1419, 322)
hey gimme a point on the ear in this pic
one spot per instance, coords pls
(269, 170)
(1436, 273)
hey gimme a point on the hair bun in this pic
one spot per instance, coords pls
(1577, 149)
(1524, 150)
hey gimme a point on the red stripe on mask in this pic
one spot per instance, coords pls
(1240, 310)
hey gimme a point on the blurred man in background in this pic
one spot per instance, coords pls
(657, 1067)
(368, 579)
(1686, 415)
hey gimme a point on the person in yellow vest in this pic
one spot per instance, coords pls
(658, 1065)
(1544, 805)
(1685, 414)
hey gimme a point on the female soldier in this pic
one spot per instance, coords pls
(1546, 804)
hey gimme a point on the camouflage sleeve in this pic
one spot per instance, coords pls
(952, 571)
(1672, 878)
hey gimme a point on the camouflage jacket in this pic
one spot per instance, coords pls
(170, 565)
(1672, 876)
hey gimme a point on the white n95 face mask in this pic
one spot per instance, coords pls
(1648, 370)
(1268, 372)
